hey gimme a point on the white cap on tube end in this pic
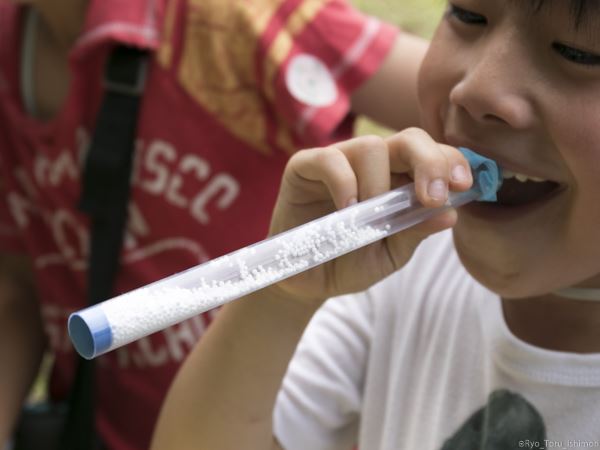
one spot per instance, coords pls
(90, 332)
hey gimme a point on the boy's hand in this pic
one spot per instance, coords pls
(319, 181)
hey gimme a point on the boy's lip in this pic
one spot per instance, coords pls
(502, 161)
(507, 213)
(498, 213)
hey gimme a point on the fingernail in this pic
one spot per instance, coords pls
(459, 173)
(352, 201)
(437, 189)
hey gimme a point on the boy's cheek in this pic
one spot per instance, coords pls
(431, 103)
(425, 96)
(434, 86)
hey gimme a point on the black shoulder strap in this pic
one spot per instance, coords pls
(107, 170)
(105, 197)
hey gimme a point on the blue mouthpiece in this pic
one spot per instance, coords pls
(487, 173)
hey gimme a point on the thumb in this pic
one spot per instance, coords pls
(401, 246)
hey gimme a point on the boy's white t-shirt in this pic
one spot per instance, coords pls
(424, 360)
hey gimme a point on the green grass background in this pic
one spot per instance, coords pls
(416, 16)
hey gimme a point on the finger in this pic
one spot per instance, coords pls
(309, 170)
(369, 158)
(434, 167)
(413, 150)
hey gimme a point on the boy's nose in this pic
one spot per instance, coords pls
(494, 89)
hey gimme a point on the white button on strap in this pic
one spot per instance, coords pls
(310, 82)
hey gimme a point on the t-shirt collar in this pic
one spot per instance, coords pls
(536, 364)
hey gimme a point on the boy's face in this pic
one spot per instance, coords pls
(523, 87)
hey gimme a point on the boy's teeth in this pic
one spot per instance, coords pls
(520, 177)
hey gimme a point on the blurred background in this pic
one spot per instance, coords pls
(416, 16)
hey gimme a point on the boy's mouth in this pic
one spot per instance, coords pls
(518, 189)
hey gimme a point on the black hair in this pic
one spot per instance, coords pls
(578, 8)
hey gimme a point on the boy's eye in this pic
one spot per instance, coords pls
(576, 56)
(466, 16)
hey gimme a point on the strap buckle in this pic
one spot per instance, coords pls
(126, 71)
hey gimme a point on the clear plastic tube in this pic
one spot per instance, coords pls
(131, 316)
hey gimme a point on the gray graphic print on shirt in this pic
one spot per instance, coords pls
(505, 421)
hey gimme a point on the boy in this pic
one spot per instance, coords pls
(232, 89)
(435, 356)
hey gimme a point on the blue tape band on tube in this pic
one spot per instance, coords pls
(90, 332)
(489, 174)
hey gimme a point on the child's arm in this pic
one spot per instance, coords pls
(390, 96)
(224, 395)
(21, 338)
